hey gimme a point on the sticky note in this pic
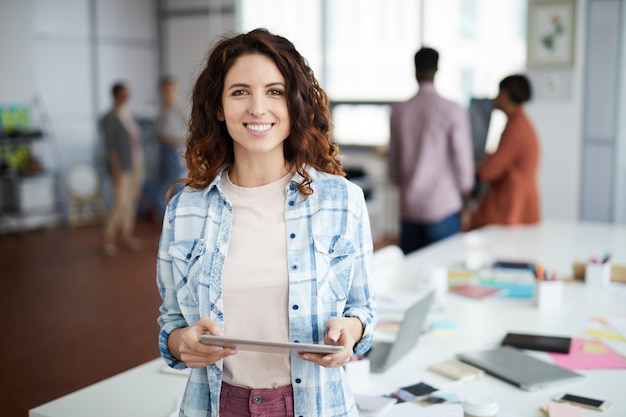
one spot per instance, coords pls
(564, 410)
(603, 333)
(594, 347)
(443, 325)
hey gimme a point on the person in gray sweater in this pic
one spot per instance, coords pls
(124, 157)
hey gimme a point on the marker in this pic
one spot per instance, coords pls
(539, 273)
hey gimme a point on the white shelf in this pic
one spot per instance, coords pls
(28, 202)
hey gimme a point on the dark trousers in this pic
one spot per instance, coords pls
(414, 236)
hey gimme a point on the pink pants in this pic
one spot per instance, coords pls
(242, 402)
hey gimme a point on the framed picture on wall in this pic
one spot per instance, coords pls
(551, 33)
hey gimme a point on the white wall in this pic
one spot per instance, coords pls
(17, 49)
(64, 78)
(557, 115)
(558, 125)
(619, 189)
(187, 33)
(81, 47)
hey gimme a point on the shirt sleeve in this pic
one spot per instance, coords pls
(170, 317)
(462, 151)
(393, 151)
(361, 301)
(496, 165)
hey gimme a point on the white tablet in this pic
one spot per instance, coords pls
(267, 345)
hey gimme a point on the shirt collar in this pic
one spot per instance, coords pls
(297, 179)
(426, 86)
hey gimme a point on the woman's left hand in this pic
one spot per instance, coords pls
(340, 331)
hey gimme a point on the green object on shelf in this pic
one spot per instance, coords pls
(15, 118)
(16, 157)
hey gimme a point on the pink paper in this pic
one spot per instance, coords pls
(578, 359)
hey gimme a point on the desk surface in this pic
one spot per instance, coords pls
(554, 244)
(146, 391)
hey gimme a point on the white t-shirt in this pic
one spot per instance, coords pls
(256, 283)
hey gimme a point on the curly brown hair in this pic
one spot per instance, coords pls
(210, 147)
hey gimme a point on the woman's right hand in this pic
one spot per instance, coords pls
(195, 353)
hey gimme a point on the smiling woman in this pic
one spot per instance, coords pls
(268, 241)
(257, 119)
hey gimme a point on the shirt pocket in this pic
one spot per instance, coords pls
(187, 256)
(334, 258)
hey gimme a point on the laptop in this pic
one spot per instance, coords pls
(518, 368)
(383, 354)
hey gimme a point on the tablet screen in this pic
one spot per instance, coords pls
(267, 345)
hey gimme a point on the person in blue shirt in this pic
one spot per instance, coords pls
(170, 128)
(267, 240)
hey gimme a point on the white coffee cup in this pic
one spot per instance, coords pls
(479, 406)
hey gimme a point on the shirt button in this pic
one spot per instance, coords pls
(292, 203)
(188, 256)
(257, 399)
(298, 380)
(294, 267)
(292, 235)
(295, 306)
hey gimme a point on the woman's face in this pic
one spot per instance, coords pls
(255, 107)
(501, 100)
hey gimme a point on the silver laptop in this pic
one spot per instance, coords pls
(383, 354)
(518, 368)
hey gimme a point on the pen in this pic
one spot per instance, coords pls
(607, 257)
(539, 273)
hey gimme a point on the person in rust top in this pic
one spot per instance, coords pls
(512, 197)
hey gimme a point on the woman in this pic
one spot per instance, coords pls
(267, 241)
(511, 171)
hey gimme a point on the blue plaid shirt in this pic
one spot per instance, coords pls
(329, 253)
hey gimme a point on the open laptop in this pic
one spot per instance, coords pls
(383, 354)
(518, 368)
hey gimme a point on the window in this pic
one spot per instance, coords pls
(361, 124)
(475, 57)
(362, 50)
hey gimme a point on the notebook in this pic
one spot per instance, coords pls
(518, 368)
(476, 291)
(384, 354)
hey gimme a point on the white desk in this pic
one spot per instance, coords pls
(482, 324)
(145, 391)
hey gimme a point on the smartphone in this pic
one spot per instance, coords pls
(586, 402)
(414, 392)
